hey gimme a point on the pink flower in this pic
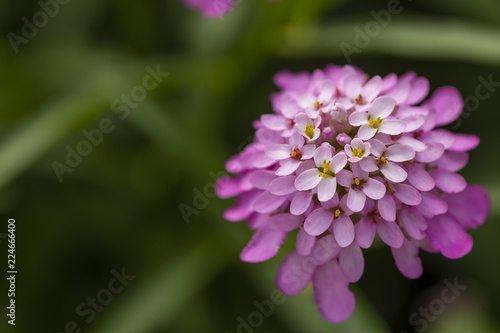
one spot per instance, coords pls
(324, 174)
(374, 121)
(385, 160)
(308, 126)
(344, 159)
(357, 150)
(291, 154)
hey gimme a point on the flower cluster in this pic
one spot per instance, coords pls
(344, 158)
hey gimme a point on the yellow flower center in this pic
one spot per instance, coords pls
(327, 170)
(374, 123)
(358, 152)
(309, 131)
(356, 181)
(318, 105)
(337, 212)
(384, 159)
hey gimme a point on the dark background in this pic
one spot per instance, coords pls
(119, 207)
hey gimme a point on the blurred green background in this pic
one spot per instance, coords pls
(119, 207)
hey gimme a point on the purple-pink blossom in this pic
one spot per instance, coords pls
(344, 159)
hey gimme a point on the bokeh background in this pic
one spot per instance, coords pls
(119, 207)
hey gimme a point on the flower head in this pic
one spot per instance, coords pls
(344, 159)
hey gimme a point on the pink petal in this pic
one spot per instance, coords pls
(343, 230)
(419, 178)
(263, 245)
(413, 222)
(282, 185)
(392, 126)
(372, 88)
(274, 122)
(306, 99)
(307, 151)
(433, 152)
(284, 222)
(419, 89)
(400, 92)
(327, 90)
(444, 137)
(287, 167)
(339, 161)
(294, 274)
(352, 86)
(382, 107)
(322, 154)
(417, 145)
(268, 202)
(390, 233)
(365, 232)
(413, 123)
(300, 202)
(318, 221)
(294, 81)
(358, 118)
(448, 182)
(333, 298)
(448, 236)
(368, 164)
(471, 207)
(452, 161)
(351, 262)
(393, 172)
(308, 180)
(325, 249)
(278, 151)
(345, 178)
(432, 205)
(387, 208)
(389, 81)
(358, 172)
(257, 220)
(377, 147)
(243, 207)
(374, 189)
(327, 188)
(332, 203)
(447, 103)
(356, 200)
(407, 194)
(227, 187)
(407, 260)
(296, 140)
(399, 153)
(260, 179)
(366, 132)
(288, 107)
(464, 142)
(304, 243)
